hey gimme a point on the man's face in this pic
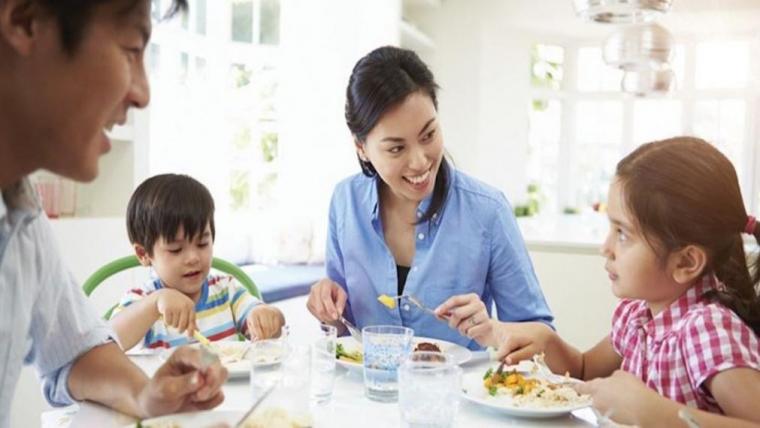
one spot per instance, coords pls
(71, 99)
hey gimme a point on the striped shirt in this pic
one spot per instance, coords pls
(220, 313)
(678, 350)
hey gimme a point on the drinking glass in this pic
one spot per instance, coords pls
(323, 364)
(384, 346)
(266, 358)
(429, 388)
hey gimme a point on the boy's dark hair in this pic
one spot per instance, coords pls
(683, 191)
(163, 203)
(74, 16)
(383, 79)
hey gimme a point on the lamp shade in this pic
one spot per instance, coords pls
(621, 11)
(635, 47)
(648, 82)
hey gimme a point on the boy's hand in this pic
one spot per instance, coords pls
(265, 322)
(177, 309)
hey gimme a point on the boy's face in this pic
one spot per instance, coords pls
(182, 263)
(63, 101)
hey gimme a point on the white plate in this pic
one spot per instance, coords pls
(228, 350)
(474, 391)
(214, 418)
(459, 353)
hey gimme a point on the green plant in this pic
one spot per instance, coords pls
(269, 142)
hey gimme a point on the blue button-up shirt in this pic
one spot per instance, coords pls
(45, 319)
(472, 245)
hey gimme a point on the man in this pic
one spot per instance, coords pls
(69, 70)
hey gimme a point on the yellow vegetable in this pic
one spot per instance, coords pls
(387, 301)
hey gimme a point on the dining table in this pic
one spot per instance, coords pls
(348, 407)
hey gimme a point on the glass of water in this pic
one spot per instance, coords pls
(429, 388)
(385, 347)
(323, 364)
(266, 358)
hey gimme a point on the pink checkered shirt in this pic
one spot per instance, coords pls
(677, 351)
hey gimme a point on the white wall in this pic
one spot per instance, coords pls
(483, 68)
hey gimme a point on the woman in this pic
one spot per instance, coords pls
(413, 225)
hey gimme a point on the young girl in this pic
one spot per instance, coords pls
(688, 319)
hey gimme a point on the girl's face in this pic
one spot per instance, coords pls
(406, 148)
(633, 266)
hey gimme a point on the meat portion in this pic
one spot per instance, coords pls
(427, 346)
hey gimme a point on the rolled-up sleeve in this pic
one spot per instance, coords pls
(511, 277)
(64, 324)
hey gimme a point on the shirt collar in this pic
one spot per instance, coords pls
(373, 198)
(19, 197)
(657, 327)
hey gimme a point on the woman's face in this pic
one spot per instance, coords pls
(406, 148)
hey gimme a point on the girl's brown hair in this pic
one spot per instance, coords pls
(683, 191)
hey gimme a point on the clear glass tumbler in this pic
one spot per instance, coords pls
(323, 364)
(430, 385)
(385, 347)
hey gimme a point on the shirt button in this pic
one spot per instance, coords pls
(421, 236)
(406, 307)
(415, 268)
(419, 214)
(435, 215)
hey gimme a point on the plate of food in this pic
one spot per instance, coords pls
(266, 417)
(524, 391)
(232, 354)
(349, 352)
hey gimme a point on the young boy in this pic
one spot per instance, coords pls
(170, 221)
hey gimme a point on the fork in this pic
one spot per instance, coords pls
(414, 301)
(355, 333)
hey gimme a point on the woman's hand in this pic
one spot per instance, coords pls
(467, 314)
(177, 310)
(622, 397)
(265, 322)
(327, 300)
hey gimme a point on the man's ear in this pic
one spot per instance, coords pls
(21, 24)
(688, 263)
(142, 254)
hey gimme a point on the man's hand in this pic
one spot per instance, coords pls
(183, 383)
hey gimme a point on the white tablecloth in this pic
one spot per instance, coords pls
(348, 407)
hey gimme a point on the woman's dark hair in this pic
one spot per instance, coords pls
(163, 203)
(74, 16)
(683, 191)
(381, 80)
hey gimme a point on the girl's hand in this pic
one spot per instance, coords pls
(327, 300)
(467, 314)
(621, 397)
(519, 341)
(177, 310)
(265, 322)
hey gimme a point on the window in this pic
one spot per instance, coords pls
(242, 21)
(598, 139)
(594, 74)
(231, 145)
(269, 24)
(579, 130)
(656, 120)
(200, 16)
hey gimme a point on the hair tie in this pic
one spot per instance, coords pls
(749, 228)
